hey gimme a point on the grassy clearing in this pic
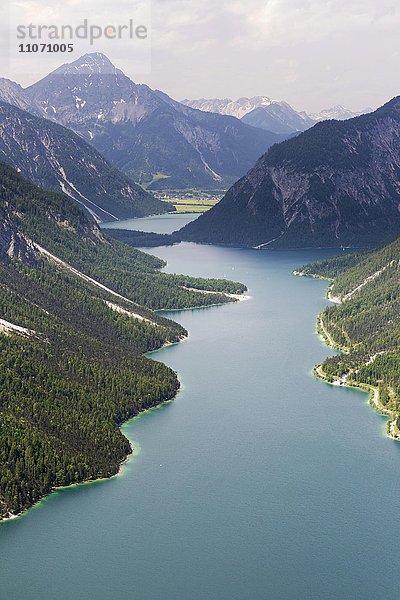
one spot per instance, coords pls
(192, 208)
(191, 204)
(156, 177)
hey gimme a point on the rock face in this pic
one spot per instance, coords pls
(337, 184)
(13, 243)
(57, 159)
(146, 134)
(14, 94)
(28, 213)
(21, 204)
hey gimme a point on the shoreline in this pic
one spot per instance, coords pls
(392, 431)
(133, 452)
(239, 297)
(373, 400)
(235, 297)
(121, 468)
(122, 464)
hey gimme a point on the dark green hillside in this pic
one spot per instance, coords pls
(65, 388)
(58, 225)
(365, 323)
(141, 239)
(332, 267)
(71, 364)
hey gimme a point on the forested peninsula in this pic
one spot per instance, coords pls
(364, 325)
(76, 317)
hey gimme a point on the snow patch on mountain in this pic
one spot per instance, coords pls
(226, 106)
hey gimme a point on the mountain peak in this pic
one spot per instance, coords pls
(393, 103)
(145, 130)
(89, 64)
(14, 94)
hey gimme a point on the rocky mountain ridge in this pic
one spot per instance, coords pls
(337, 184)
(272, 115)
(157, 141)
(57, 159)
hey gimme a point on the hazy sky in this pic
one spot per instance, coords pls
(311, 53)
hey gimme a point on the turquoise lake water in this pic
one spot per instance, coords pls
(156, 223)
(258, 482)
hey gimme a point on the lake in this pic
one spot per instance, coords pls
(258, 482)
(167, 223)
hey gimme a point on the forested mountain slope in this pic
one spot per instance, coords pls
(75, 319)
(365, 324)
(57, 159)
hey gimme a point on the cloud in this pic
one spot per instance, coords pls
(308, 52)
(275, 22)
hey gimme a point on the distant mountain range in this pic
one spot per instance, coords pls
(57, 159)
(157, 141)
(338, 112)
(279, 117)
(337, 184)
(272, 115)
(225, 106)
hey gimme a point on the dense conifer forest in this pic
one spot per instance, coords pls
(364, 323)
(71, 348)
